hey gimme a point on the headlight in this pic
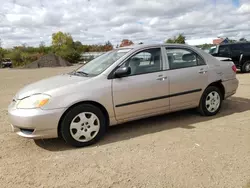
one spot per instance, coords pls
(34, 101)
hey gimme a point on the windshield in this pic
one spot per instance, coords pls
(102, 62)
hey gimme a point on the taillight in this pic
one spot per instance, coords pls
(234, 68)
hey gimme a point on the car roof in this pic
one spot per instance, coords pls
(235, 43)
(139, 46)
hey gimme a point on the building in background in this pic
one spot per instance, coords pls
(220, 41)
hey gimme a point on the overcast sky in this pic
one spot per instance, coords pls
(148, 21)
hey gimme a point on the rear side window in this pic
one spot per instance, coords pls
(182, 58)
(246, 48)
(236, 48)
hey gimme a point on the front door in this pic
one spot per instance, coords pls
(188, 77)
(236, 51)
(145, 90)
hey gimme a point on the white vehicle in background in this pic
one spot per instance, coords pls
(212, 50)
(6, 62)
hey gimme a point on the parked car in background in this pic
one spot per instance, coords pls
(6, 62)
(122, 85)
(238, 52)
(212, 50)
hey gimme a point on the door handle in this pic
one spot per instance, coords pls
(202, 71)
(162, 78)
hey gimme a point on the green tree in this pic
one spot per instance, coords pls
(70, 54)
(61, 40)
(1, 54)
(78, 46)
(64, 46)
(170, 40)
(180, 39)
(41, 48)
(16, 57)
(1, 51)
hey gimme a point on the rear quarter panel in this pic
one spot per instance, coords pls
(222, 70)
(219, 69)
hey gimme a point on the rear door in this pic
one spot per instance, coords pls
(246, 52)
(236, 51)
(145, 91)
(187, 75)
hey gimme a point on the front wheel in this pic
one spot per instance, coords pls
(83, 125)
(211, 101)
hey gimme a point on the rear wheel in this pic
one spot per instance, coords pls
(83, 125)
(245, 67)
(210, 102)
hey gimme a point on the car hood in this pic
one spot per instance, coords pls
(49, 84)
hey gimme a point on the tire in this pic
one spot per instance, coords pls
(245, 67)
(79, 130)
(210, 106)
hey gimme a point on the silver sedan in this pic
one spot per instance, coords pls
(122, 85)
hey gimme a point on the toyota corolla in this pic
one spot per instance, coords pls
(122, 85)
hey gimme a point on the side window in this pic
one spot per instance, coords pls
(236, 48)
(224, 50)
(246, 48)
(182, 58)
(146, 61)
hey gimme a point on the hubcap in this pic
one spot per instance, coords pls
(85, 126)
(213, 101)
(248, 67)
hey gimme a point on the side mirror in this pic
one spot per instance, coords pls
(121, 72)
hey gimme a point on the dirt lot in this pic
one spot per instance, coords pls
(177, 150)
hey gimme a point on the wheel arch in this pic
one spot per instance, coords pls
(220, 86)
(94, 103)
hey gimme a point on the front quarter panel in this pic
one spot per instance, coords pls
(98, 90)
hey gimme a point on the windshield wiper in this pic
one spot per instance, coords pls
(80, 72)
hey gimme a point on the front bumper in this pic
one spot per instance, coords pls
(35, 123)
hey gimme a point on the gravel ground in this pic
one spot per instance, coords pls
(176, 150)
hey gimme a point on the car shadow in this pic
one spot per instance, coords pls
(182, 119)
